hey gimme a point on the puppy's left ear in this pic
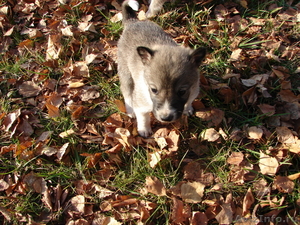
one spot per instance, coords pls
(197, 56)
(145, 53)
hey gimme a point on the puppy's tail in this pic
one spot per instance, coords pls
(128, 10)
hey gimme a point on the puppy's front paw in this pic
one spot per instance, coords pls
(189, 110)
(145, 132)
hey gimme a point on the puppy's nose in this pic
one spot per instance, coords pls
(167, 117)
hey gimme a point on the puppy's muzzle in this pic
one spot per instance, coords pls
(167, 117)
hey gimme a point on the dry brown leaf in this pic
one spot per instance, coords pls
(161, 142)
(225, 216)
(173, 140)
(53, 47)
(154, 158)
(261, 188)
(53, 111)
(235, 158)
(29, 89)
(213, 116)
(268, 165)
(192, 192)
(294, 147)
(180, 212)
(38, 184)
(293, 108)
(116, 18)
(48, 150)
(7, 214)
(76, 84)
(269, 110)
(210, 135)
(250, 96)
(155, 186)
(67, 133)
(247, 203)
(284, 184)
(62, 151)
(3, 185)
(77, 204)
(199, 218)
(287, 96)
(122, 135)
(255, 133)
(10, 119)
(294, 176)
(86, 26)
(235, 55)
(121, 106)
(285, 135)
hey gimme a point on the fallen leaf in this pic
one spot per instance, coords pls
(268, 165)
(6, 213)
(62, 151)
(53, 47)
(199, 218)
(179, 213)
(53, 111)
(213, 116)
(173, 140)
(247, 203)
(255, 133)
(3, 185)
(192, 192)
(285, 135)
(161, 142)
(77, 204)
(154, 158)
(29, 89)
(155, 186)
(235, 55)
(294, 176)
(261, 188)
(235, 158)
(210, 135)
(269, 110)
(284, 184)
(67, 133)
(10, 119)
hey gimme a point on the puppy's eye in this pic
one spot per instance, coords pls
(154, 91)
(181, 92)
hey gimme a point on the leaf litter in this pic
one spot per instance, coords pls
(64, 49)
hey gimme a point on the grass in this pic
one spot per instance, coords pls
(130, 173)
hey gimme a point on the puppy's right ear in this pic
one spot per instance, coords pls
(197, 56)
(145, 53)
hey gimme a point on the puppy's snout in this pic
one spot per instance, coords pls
(167, 117)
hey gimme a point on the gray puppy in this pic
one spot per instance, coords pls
(154, 7)
(156, 74)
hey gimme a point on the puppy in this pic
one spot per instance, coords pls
(156, 74)
(154, 7)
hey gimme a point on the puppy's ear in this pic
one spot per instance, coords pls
(197, 56)
(145, 53)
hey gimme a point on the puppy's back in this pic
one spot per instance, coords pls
(141, 33)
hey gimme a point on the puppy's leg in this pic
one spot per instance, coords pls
(188, 108)
(127, 87)
(154, 7)
(143, 123)
(142, 105)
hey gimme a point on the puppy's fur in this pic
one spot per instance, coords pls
(154, 7)
(156, 74)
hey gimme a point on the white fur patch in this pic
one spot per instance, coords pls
(134, 5)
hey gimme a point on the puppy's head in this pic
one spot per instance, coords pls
(172, 77)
